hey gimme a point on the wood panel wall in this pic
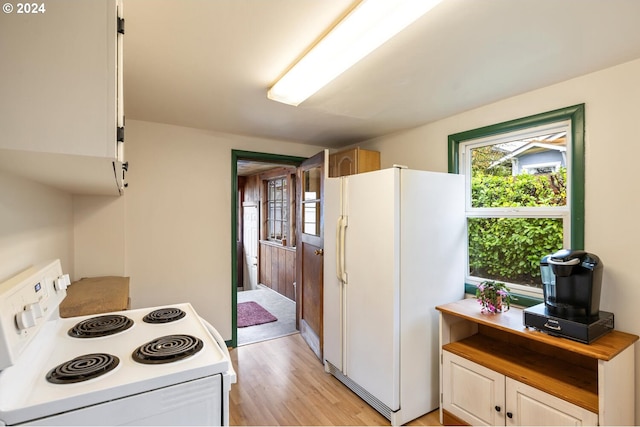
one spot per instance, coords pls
(278, 268)
(277, 263)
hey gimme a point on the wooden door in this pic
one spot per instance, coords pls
(310, 251)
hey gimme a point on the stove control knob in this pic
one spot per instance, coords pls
(26, 319)
(62, 282)
(36, 308)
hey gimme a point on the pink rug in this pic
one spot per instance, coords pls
(251, 313)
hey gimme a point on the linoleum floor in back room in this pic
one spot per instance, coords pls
(281, 382)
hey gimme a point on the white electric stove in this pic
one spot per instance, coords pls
(153, 366)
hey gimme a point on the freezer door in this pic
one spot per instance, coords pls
(332, 292)
(371, 297)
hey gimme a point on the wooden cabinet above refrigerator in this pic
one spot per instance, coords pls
(352, 161)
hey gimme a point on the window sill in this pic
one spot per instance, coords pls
(277, 245)
(518, 299)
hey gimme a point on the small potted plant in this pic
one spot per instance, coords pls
(494, 297)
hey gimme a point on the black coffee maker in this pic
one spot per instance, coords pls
(574, 288)
(572, 283)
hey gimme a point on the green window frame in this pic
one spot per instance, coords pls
(575, 115)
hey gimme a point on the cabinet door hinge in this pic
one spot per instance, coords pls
(120, 25)
(120, 134)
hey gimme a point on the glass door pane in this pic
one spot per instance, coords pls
(311, 182)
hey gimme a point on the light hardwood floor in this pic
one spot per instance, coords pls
(281, 382)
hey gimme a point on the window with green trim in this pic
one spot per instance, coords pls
(277, 210)
(524, 194)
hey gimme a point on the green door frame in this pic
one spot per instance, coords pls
(235, 156)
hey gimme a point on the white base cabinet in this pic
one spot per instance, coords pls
(534, 407)
(495, 371)
(481, 396)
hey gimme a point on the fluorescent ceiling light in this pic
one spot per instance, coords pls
(365, 28)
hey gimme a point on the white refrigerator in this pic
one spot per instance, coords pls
(394, 249)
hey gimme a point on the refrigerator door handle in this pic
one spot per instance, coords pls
(340, 232)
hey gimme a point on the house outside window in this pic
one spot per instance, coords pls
(524, 195)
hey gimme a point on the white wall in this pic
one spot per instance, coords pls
(36, 224)
(99, 238)
(611, 188)
(176, 216)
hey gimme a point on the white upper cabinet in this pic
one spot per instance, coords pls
(61, 94)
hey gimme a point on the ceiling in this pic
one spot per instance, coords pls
(208, 63)
(250, 167)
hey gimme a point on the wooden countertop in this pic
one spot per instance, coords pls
(96, 295)
(512, 321)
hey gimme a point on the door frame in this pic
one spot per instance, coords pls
(235, 156)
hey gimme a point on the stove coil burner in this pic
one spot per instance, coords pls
(101, 326)
(164, 315)
(167, 349)
(83, 368)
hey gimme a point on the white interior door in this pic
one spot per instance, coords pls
(250, 244)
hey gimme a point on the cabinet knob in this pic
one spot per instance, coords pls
(498, 408)
(509, 414)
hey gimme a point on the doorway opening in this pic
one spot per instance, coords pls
(264, 251)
